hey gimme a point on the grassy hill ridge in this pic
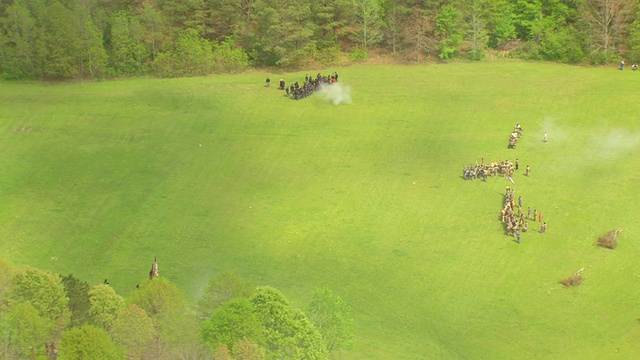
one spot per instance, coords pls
(220, 173)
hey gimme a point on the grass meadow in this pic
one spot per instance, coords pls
(366, 198)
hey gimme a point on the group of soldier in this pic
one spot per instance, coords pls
(515, 223)
(310, 85)
(515, 135)
(483, 171)
(513, 216)
(514, 219)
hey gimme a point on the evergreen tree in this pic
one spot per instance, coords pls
(17, 35)
(57, 43)
(504, 30)
(78, 293)
(448, 31)
(283, 35)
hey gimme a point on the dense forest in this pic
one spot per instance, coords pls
(48, 316)
(74, 39)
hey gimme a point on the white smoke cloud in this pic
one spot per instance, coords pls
(614, 143)
(336, 94)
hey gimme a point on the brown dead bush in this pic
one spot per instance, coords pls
(573, 280)
(609, 240)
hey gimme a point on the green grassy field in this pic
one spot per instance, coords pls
(221, 173)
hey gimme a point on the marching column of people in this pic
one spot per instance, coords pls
(515, 135)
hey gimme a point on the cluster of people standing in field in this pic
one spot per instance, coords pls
(308, 87)
(514, 219)
(483, 171)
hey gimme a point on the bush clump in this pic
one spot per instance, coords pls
(573, 280)
(610, 239)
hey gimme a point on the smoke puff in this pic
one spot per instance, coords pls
(615, 142)
(336, 94)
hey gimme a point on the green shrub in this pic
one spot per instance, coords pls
(228, 58)
(358, 54)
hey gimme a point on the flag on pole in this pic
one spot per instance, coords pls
(154, 269)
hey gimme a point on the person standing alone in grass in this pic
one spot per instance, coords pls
(543, 228)
(527, 171)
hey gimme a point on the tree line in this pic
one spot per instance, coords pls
(48, 316)
(69, 39)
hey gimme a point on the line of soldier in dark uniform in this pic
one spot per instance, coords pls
(310, 85)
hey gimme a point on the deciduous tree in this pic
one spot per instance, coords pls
(189, 55)
(288, 333)
(92, 57)
(607, 21)
(88, 342)
(45, 292)
(475, 28)
(221, 289)
(396, 18)
(418, 32)
(134, 331)
(368, 20)
(333, 318)
(106, 306)
(235, 320)
(128, 50)
(176, 327)
(23, 332)
(154, 26)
